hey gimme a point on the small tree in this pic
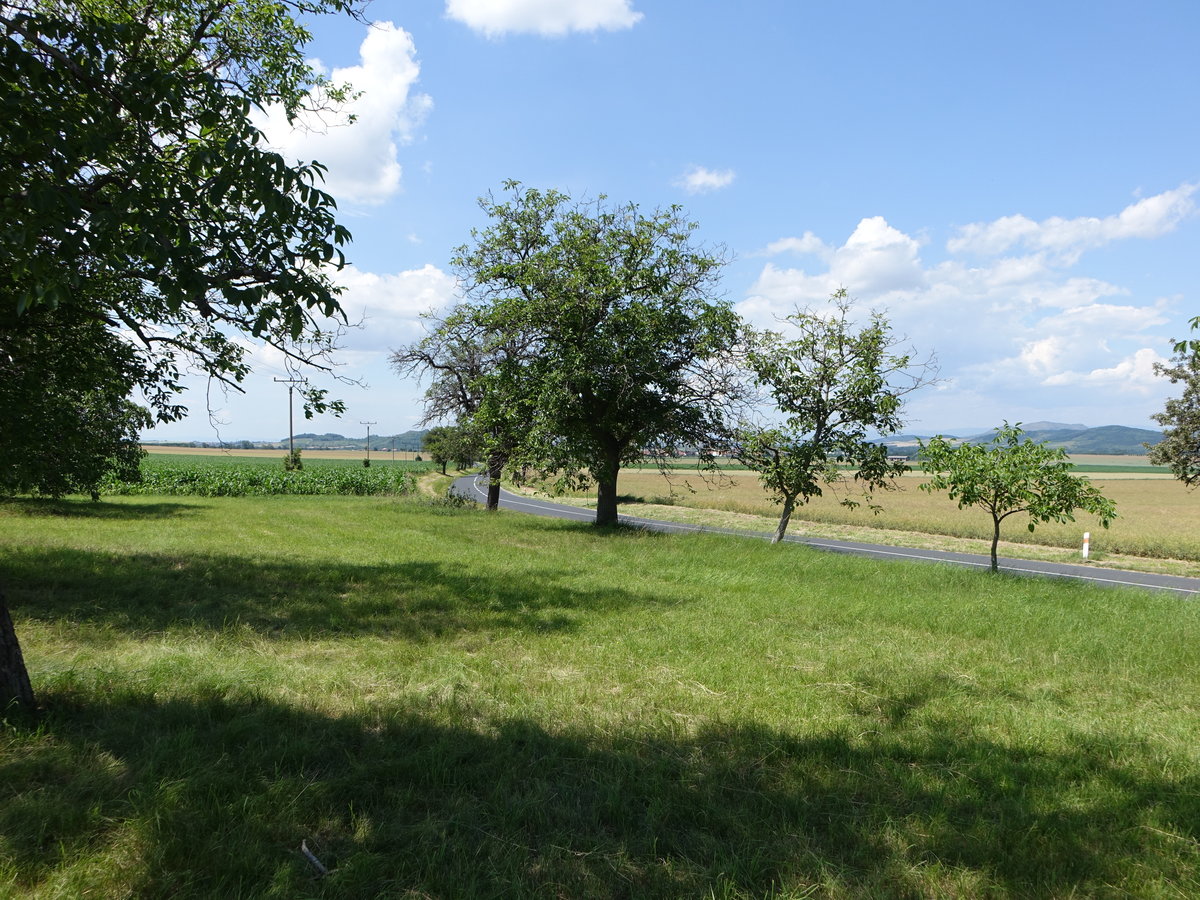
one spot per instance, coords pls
(459, 355)
(1012, 475)
(1180, 446)
(831, 386)
(439, 444)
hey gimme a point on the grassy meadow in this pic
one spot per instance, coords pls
(445, 703)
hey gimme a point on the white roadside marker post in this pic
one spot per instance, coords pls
(1087, 537)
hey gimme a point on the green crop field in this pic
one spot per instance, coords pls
(229, 475)
(440, 702)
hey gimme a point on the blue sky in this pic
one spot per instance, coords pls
(1015, 184)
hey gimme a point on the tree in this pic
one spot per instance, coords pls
(1180, 446)
(438, 443)
(137, 196)
(625, 346)
(1009, 476)
(459, 354)
(65, 416)
(829, 387)
(450, 444)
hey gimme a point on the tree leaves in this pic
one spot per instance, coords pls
(1012, 475)
(127, 154)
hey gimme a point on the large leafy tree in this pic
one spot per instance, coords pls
(129, 157)
(1012, 475)
(1180, 446)
(142, 213)
(829, 387)
(627, 348)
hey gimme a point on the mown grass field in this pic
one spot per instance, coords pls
(444, 703)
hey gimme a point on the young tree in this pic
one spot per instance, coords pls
(1012, 475)
(438, 444)
(830, 387)
(1180, 446)
(138, 195)
(626, 345)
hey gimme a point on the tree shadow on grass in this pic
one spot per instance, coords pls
(76, 508)
(419, 600)
(211, 798)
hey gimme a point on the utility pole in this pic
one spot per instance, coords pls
(368, 424)
(291, 383)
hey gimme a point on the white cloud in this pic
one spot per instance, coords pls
(699, 180)
(1135, 373)
(1018, 335)
(808, 244)
(876, 260)
(1068, 238)
(390, 306)
(362, 157)
(549, 18)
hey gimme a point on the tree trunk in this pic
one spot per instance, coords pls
(606, 488)
(789, 504)
(995, 543)
(14, 679)
(495, 468)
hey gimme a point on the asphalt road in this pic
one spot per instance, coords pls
(471, 486)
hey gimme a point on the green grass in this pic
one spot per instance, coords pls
(445, 703)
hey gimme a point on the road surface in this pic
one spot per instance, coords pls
(472, 486)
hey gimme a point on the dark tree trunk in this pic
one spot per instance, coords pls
(495, 468)
(995, 544)
(14, 679)
(606, 488)
(789, 504)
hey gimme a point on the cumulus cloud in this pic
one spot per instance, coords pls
(1015, 333)
(549, 18)
(1068, 238)
(808, 244)
(1135, 374)
(362, 156)
(699, 180)
(876, 259)
(389, 306)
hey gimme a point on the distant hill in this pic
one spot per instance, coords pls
(1116, 440)
(409, 440)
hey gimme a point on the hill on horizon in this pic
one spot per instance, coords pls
(1105, 440)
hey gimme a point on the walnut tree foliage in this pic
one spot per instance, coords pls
(625, 344)
(134, 184)
(1180, 418)
(65, 415)
(1012, 475)
(829, 389)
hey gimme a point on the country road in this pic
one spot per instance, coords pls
(469, 486)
